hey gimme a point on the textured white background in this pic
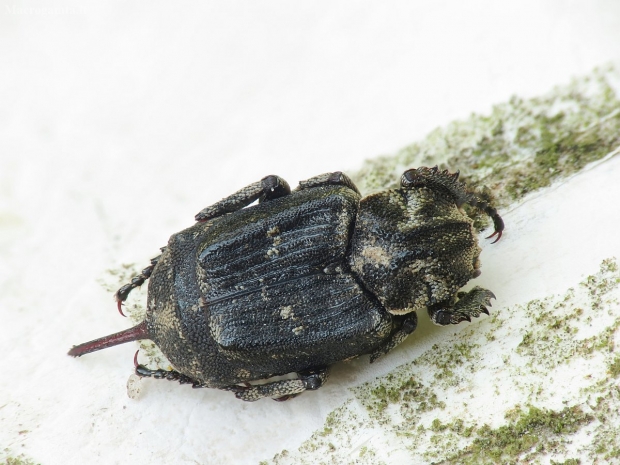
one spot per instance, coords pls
(120, 120)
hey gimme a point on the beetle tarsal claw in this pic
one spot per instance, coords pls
(496, 233)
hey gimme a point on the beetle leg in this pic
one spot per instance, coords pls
(409, 325)
(336, 178)
(282, 390)
(170, 375)
(137, 281)
(268, 188)
(432, 177)
(470, 304)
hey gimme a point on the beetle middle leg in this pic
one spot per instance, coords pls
(282, 390)
(269, 188)
(470, 304)
(137, 281)
(408, 326)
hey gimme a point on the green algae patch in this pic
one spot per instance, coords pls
(522, 146)
(562, 333)
(345, 429)
(526, 432)
(406, 392)
(614, 367)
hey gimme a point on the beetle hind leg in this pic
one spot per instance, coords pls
(170, 375)
(282, 390)
(470, 304)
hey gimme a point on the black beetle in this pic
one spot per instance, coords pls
(305, 279)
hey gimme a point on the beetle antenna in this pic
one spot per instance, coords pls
(140, 331)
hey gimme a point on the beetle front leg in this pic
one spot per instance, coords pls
(408, 326)
(268, 188)
(470, 304)
(421, 177)
(282, 390)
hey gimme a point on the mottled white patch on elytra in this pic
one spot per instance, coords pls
(377, 256)
(274, 234)
(243, 373)
(286, 312)
(297, 330)
(273, 231)
(273, 252)
(415, 266)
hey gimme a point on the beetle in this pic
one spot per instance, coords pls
(306, 278)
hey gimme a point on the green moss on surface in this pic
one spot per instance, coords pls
(411, 397)
(557, 335)
(614, 367)
(339, 435)
(525, 432)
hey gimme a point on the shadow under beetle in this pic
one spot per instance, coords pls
(307, 278)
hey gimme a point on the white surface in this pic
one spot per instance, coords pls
(119, 121)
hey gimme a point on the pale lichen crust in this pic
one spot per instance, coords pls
(554, 394)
